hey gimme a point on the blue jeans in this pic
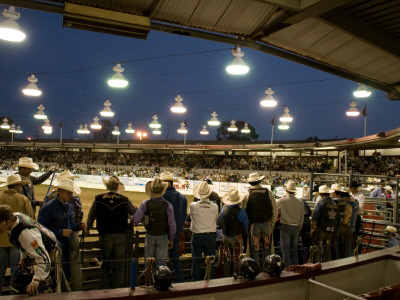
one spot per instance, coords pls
(113, 254)
(156, 246)
(289, 244)
(8, 256)
(202, 243)
(174, 256)
(259, 252)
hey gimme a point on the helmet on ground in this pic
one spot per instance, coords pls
(22, 278)
(162, 278)
(274, 265)
(249, 269)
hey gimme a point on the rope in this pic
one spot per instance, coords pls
(209, 261)
(148, 270)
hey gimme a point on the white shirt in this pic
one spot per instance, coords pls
(361, 201)
(204, 215)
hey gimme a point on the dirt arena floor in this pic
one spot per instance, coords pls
(87, 196)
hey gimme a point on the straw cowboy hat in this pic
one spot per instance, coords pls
(113, 184)
(323, 189)
(202, 190)
(388, 188)
(156, 188)
(168, 176)
(67, 175)
(233, 197)
(291, 186)
(14, 179)
(253, 177)
(68, 185)
(391, 229)
(335, 188)
(27, 162)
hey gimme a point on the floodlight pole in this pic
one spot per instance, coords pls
(272, 134)
(365, 125)
(12, 137)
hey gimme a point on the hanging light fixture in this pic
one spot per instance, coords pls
(204, 131)
(12, 129)
(246, 128)
(286, 117)
(353, 112)
(269, 100)
(95, 125)
(116, 131)
(118, 80)
(362, 91)
(47, 128)
(18, 130)
(31, 89)
(5, 124)
(237, 66)
(233, 127)
(178, 106)
(283, 126)
(40, 115)
(107, 112)
(182, 129)
(129, 129)
(156, 132)
(214, 121)
(9, 28)
(154, 123)
(83, 129)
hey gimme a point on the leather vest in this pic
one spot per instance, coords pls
(329, 216)
(259, 206)
(112, 213)
(231, 224)
(156, 211)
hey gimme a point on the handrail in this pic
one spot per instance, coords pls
(333, 289)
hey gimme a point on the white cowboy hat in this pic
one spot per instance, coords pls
(27, 162)
(323, 189)
(336, 187)
(14, 179)
(67, 175)
(291, 186)
(346, 189)
(253, 177)
(113, 184)
(168, 176)
(391, 229)
(68, 185)
(202, 190)
(156, 188)
(233, 197)
(388, 188)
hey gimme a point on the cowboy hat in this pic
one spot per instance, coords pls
(233, 197)
(391, 229)
(168, 176)
(291, 186)
(323, 189)
(253, 177)
(14, 179)
(113, 184)
(68, 185)
(336, 187)
(202, 190)
(27, 162)
(67, 175)
(156, 188)
(388, 188)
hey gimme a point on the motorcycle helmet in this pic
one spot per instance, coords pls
(162, 278)
(22, 278)
(274, 265)
(249, 269)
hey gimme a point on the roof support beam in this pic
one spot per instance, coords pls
(36, 5)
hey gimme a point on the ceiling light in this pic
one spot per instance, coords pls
(283, 126)
(107, 112)
(48, 129)
(156, 132)
(129, 129)
(12, 129)
(362, 91)
(353, 112)
(178, 106)
(204, 131)
(233, 127)
(154, 123)
(237, 66)
(5, 124)
(83, 129)
(18, 130)
(118, 80)
(116, 131)
(246, 128)
(31, 89)
(286, 117)
(40, 115)
(9, 28)
(269, 100)
(182, 129)
(95, 125)
(214, 121)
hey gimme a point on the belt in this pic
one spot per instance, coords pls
(291, 224)
(204, 233)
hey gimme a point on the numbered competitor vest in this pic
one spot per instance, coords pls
(329, 216)
(355, 206)
(259, 206)
(158, 216)
(231, 224)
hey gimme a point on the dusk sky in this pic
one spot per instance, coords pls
(73, 67)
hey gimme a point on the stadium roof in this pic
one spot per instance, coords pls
(354, 39)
